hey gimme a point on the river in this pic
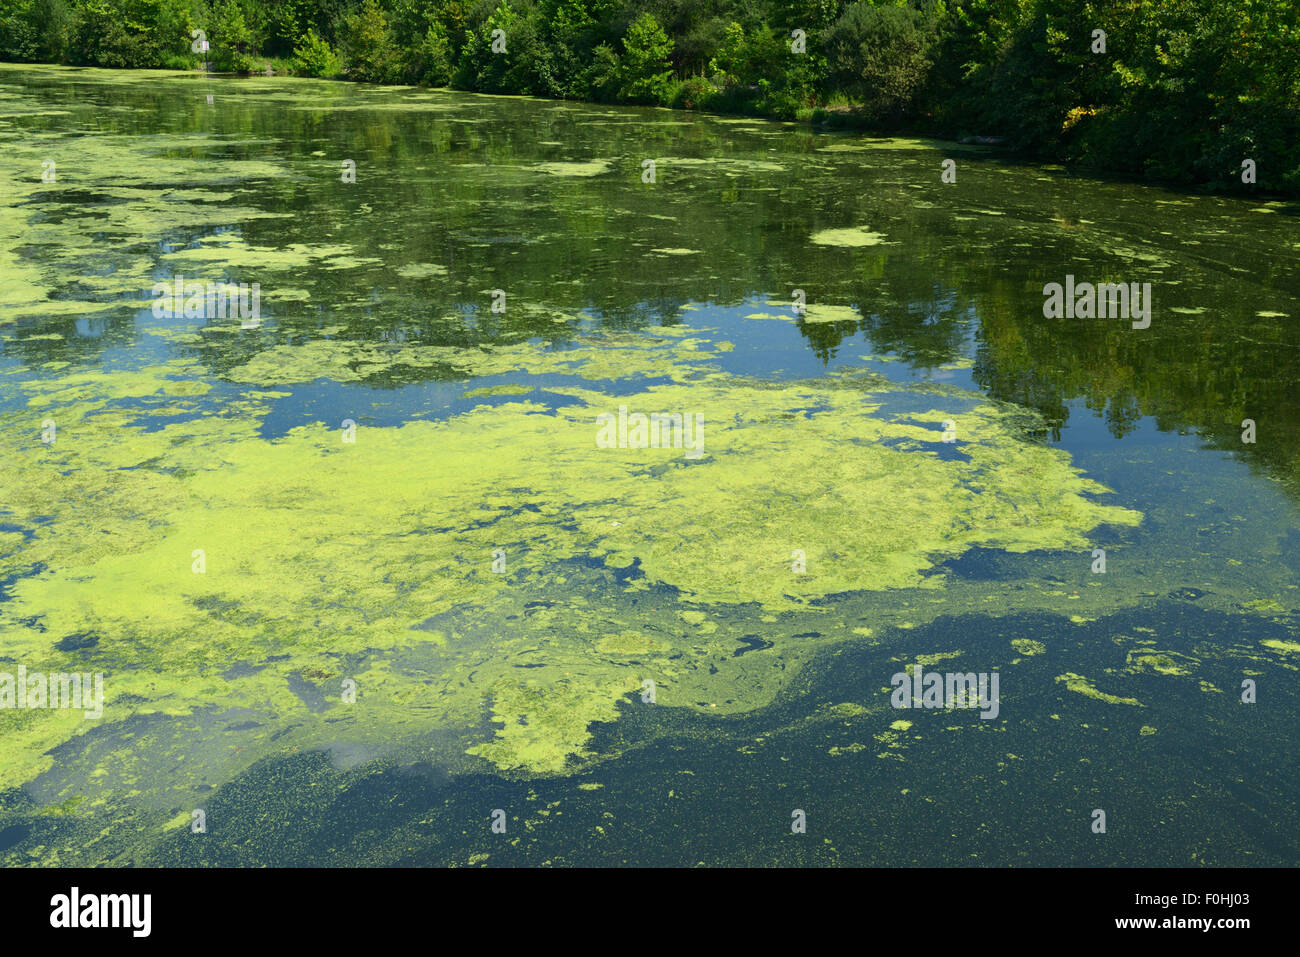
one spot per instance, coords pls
(575, 483)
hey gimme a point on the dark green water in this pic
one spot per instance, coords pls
(330, 560)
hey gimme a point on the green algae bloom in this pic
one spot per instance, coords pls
(465, 582)
(284, 522)
(495, 390)
(1161, 663)
(821, 312)
(421, 270)
(589, 168)
(1081, 685)
(1283, 646)
(851, 237)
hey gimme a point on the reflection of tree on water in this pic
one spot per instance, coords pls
(950, 279)
(1205, 372)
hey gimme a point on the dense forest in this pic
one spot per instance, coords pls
(1174, 90)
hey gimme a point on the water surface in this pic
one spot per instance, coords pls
(500, 588)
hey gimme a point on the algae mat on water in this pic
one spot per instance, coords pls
(499, 586)
(326, 560)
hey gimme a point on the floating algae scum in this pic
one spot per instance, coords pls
(500, 589)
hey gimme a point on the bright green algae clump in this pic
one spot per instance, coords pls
(63, 256)
(852, 237)
(371, 560)
(1081, 685)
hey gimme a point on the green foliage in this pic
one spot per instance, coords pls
(760, 71)
(231, 39)
(572, 30)
(284, 24)
(367, 44)
(1185, 90)
(644, 72)
(731, 60)
(696, 93)
(602, 79)
(431, 63)
(507, 52)
(315, 57)
(116, 33)
(35, 30)
(883, 56)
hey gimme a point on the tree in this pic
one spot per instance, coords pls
(431, 64)
(35, 30)
(644, 71)
(366, 43)
(882, 55)
(231, 39)
(314, 57)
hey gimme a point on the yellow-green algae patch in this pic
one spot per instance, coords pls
(1027, 646)
(612, 356)
(629, 644)
(543, 726)
(820, 312)
(722, 163)
(372, 560)
(100, 243)
(231, 250)
(1265, 606)
(926, 661)
(853, 748)
(1281, 645)
(851, 237)
(1160, 662)
(421, 270)
(898, 143)
(813, 313)
(1081, 685)
(494, 390)
(588, 168)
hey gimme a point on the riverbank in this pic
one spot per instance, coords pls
(841, 118)
(1190, 92)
